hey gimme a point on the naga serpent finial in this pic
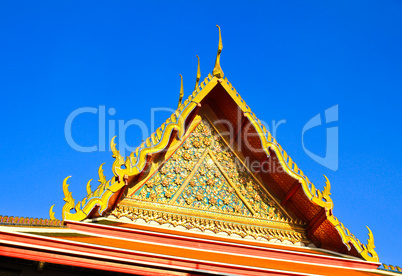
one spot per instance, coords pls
(197, 80)
(181, 92)
(217, 72)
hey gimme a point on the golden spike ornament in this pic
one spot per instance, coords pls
(70, 202)
(370, 241)
(102, 177)
(116, 154)
(51, 213)
(217, 72)
(127, 164)
(327, 189)
(89, 191)
(197, 80)
(368, 252)
(181, 92)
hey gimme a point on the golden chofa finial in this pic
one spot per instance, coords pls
(197, 80)
(181, 92)
(217, 72)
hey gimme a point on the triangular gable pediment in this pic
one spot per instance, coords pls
(203, 179)
(296, 194)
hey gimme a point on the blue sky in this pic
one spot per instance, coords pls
(289, 61)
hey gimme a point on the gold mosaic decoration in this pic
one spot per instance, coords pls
(205, 174)
(204, 185)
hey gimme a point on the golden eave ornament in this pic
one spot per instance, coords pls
(217, 72)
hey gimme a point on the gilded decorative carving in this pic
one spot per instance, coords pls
(214, 225)
(89, 190)
(198, 77)
(99, 198)
(119, 160)
(69, 205)
(214, 179)
(205, 175)
(181, 92)
(51, 213)
(217, 72)
(391, 268)
(13, 221)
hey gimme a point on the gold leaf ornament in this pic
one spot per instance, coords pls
(119, 160)
(89, 191)
(51, 213)
(69, 200)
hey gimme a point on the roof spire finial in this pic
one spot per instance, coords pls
(197, 80)
(217, 72)
(181, 91)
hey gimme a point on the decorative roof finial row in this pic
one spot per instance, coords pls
(217, 72)
(391, 268)
(25, 221)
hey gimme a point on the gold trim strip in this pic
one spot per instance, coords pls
(227, 217)
(247, 227)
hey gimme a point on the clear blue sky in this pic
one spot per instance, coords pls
(289, 61)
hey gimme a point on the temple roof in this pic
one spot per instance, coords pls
(206, 189)
(118, 246)
(279, 203)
